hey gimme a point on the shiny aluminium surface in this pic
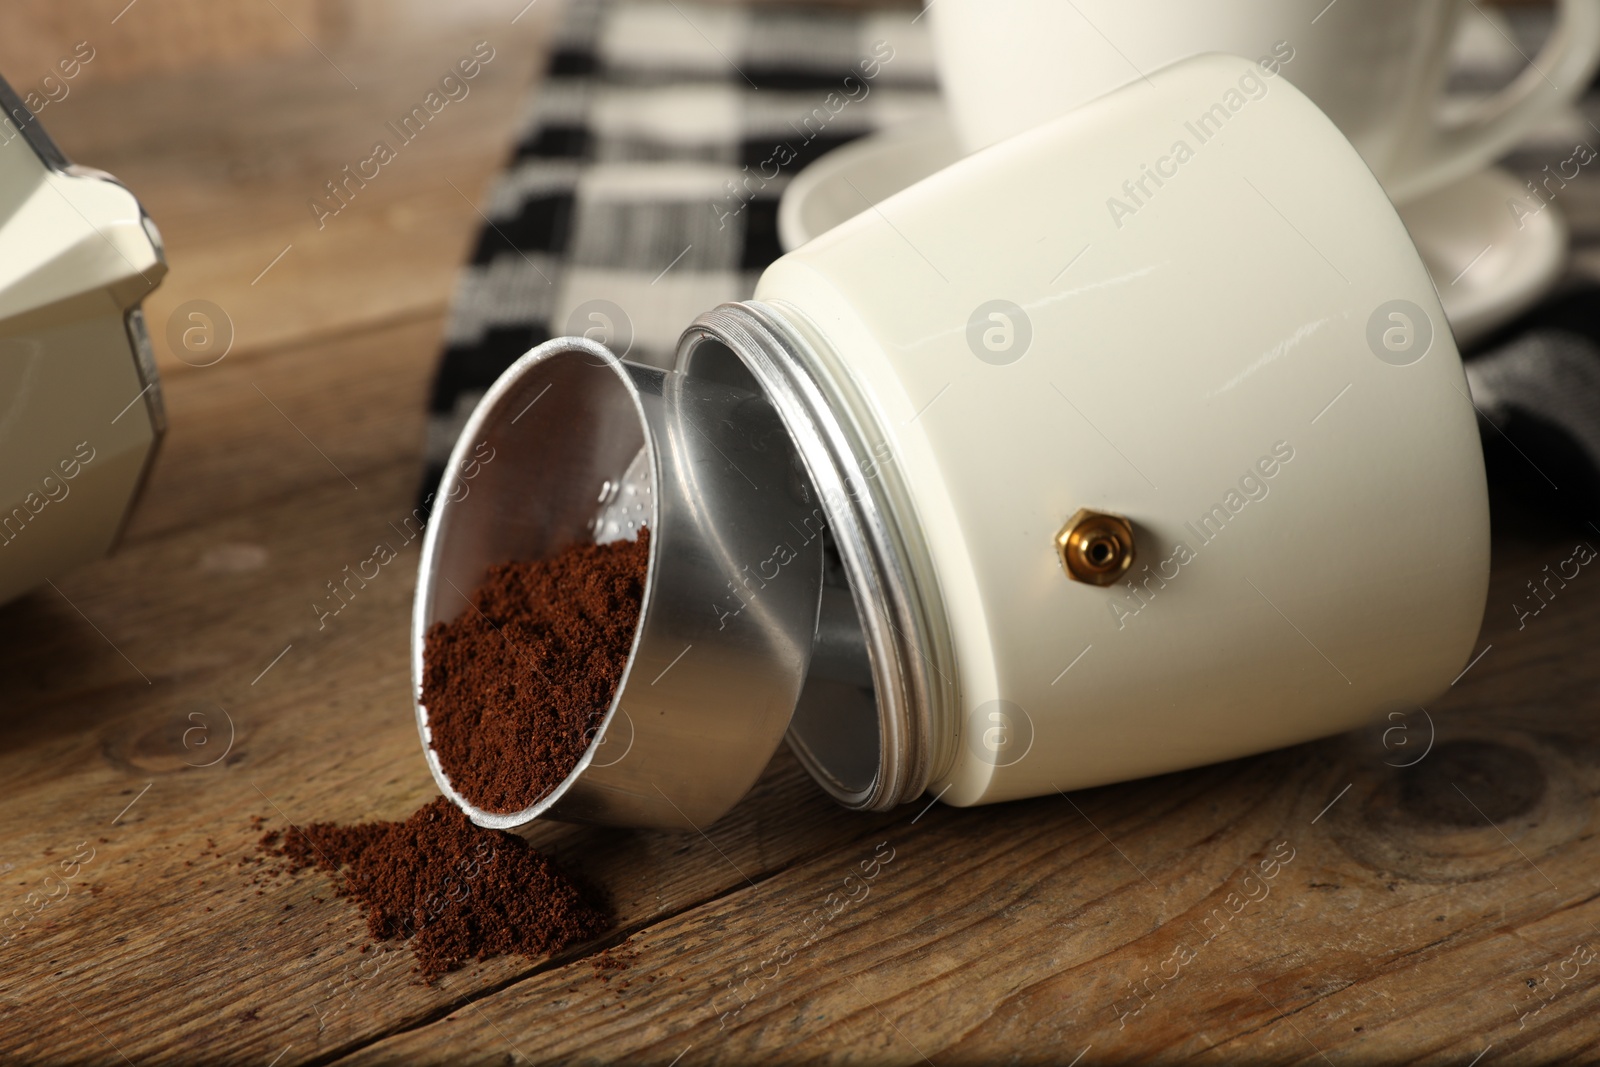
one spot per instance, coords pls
(876, 718)
(730, 605)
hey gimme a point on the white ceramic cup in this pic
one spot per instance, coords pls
(1376, 67)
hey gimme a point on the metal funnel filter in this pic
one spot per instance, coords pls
(588, 447)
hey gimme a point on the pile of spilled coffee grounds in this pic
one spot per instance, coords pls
(517, 686)
(457, 891)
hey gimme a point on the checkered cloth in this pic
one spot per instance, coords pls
(642, 192)
(1537, 387)
(627, 208)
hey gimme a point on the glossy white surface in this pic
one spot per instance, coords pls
(1220, 324)
(1376, 67)
(1488, 263)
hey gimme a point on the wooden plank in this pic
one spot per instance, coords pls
(1423, 913)
(228, 161)
(146, 37)
(244, 523)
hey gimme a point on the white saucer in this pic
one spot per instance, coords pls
(1486, 269)
(853, 177)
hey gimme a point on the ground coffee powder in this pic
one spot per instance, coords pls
(517, 686)
(456, 890)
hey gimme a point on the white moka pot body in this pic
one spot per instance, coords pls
(1226, 337)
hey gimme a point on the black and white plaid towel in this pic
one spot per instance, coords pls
(644, 186)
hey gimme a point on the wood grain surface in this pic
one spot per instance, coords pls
(1422, 891)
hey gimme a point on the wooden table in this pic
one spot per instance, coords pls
(160, 699)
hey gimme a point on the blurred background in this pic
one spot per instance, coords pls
(226, 117)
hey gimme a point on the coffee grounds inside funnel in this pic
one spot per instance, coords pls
(518, 685)
(456, 891)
